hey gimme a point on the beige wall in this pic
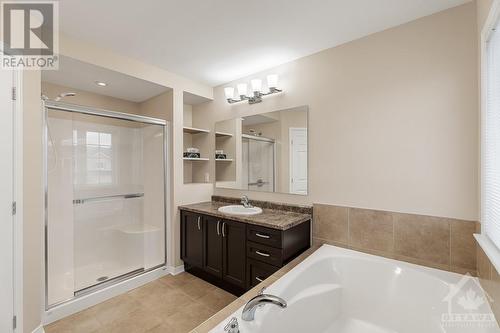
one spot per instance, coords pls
(32, 201)
(392, 118)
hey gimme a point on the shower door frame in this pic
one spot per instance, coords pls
(264, 139)
(67, 107)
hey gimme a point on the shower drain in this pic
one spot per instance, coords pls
(102, 278)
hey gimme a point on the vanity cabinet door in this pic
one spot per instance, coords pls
(234, 253)
(192, 239)
(212, 261)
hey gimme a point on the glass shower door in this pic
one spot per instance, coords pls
(259, 157)
(107, 176)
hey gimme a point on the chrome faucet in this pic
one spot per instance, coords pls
(260, 300)
(245, 202)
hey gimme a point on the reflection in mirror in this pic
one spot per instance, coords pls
(264, 152)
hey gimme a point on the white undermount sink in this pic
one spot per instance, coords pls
(240, 210)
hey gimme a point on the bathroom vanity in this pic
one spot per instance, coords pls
(237, 252)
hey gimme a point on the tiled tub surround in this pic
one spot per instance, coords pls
(436, 242)
(490, 280)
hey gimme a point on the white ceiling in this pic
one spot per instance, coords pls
(80, 75)
(216, 41)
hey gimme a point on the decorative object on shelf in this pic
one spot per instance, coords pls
(191, 155)
(272, 83)
(219, 155)
(254, 133)
(192, 150)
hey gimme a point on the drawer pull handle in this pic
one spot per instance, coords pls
(199, 220)
(218, 228)
(223, 229)
(262, 235)
(262, 253)
(259, 279)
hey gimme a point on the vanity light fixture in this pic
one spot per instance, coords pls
(257, 94)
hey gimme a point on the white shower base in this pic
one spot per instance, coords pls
(87, 276)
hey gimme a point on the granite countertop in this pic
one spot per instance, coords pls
(270, 218)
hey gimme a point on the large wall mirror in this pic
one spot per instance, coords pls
(265, 152)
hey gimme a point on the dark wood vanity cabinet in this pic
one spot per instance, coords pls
(236, 256)
(192, 234)
(212, 262)
(234, 253)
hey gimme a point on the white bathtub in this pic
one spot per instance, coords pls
(342, 291)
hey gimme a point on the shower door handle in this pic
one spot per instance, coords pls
(218, 228)
(199, 224)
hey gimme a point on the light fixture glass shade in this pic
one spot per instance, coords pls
(272, 81)
(242, 89)
(256, 85)
(229, 92)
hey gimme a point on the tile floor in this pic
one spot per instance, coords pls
(171, 304)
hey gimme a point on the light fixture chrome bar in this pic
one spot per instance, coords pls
(256, 98)
(108, 197)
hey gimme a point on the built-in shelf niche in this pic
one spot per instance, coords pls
(196, 170)
(226, 135)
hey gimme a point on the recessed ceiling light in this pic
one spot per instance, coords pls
(101, 84)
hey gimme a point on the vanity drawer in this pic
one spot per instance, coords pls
(263, 235)
(258, 272)
(266, 254)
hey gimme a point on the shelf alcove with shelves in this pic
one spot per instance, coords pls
(196, 170)
(226, 136)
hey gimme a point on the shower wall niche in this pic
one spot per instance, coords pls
(105, 199)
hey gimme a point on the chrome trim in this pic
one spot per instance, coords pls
(218, 228)
(199, 219)
(248, 313)
(108, 197)
(223, 229)
(119, 278)
(259, 279)
(257, 138)
(263, 254)
(68, 107)
(262, 235)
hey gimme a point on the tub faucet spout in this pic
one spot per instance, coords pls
(260, 300)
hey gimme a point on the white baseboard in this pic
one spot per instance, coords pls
(39, 329)
(174, 270)
(100, 296)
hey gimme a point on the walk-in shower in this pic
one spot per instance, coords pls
(105, 198)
